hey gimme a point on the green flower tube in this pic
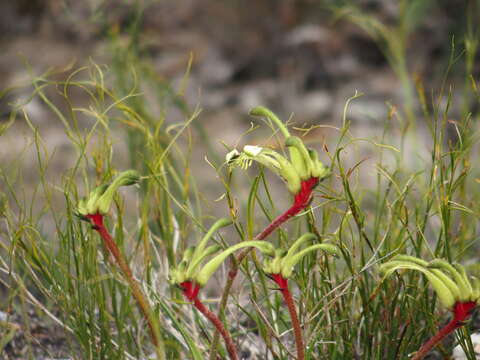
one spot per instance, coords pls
(220, 223)
(300, 158)
(290, 261)
(444, 293)
(262, 111)
(126, 178)
(193, 267)
(210, 267)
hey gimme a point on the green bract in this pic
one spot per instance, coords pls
(191, 267)
(303, 163)
(449, 281)
(100, 199)
(283, 262)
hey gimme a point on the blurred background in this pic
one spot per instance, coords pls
(302, 58)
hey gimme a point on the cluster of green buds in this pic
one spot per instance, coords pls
(100, 199)
(454, 288)
(191, 273)
(280, 267)
(302, 167)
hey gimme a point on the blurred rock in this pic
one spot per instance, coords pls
(459, 354)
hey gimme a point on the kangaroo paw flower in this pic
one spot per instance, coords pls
(192, 274)
(100, 199)
(303, 165)
(453, 287)
(280, 268)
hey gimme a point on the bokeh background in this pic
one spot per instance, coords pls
(301, 58)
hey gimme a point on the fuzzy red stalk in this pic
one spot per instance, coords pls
(190, 291)
(301, 200)
(99, 226)
(461, 312)
(297, 329)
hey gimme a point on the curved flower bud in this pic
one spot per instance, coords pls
(284, 261)
(299, 242)
(194, 256)
(193, 267)
(210, 267)
(300, 157)
(125, 178)
(409, 258)
(199, 249)
(100, 199)
(463, 273)
(450, 282)
(444, 293)
(274, 265)
(88, 205)
(454, 290)
(460, 277)
(82, 207)
(178, 275)
(287, 172)
(188, 254)
(290, 262)
(264, 112)
(318, 169)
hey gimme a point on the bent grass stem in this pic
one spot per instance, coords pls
(99, 226)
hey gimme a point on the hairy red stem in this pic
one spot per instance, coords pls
(99, 226)
(190, 291)
(461, 312)
(301, 201)
(297, 329)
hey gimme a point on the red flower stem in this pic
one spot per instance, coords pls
(301, 201)
(190, 291)
(232, 351)
(462, 312)
(98, 225)
(288, 298)
(292, 211)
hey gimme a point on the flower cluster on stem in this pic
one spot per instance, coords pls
(280, 268)
(192, 274)
(453, 287)
(302, 172)
(93, 208)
